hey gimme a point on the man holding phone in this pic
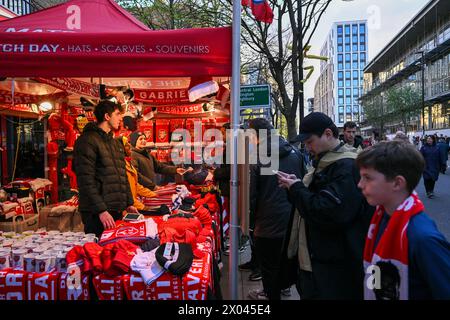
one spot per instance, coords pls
(332, 217)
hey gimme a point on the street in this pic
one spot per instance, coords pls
(438, 208)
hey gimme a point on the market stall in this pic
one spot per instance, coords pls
(166, 80)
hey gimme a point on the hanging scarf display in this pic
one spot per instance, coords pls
(390, 256)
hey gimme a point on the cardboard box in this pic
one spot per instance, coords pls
(67, 220)
(31, 222)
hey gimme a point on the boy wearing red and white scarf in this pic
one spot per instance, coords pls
(405, 256)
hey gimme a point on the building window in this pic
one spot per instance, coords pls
(355, 47)
(340, 66)
(355, 56)
(347, 75)
(339, 30)
(340, 57)
(341, 100)
(362, 38)
(347, 48)
(355, 92)
(361, 73)
(348, 117)
(341, 118)
(348, 100)
(341, 109)
(362, 64)
(354, 28)
(362, 28)
(355, 65)
(348, 109)
(347, 57)
(355, 74)
(347, 65)
(347, 29)
(355, 109)
(340, 75)
(354, 39)
(348, 92)
(355, 82)
(348, 83)
(363, 56)
(347, 40)
(341, 92)
(340, 83)
(340, 48)
(362, 47)
(339, 40)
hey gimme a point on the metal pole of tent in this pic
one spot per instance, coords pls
(235, 117)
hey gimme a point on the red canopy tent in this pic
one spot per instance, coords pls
(84, 38)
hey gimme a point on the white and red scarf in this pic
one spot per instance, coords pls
(390, 257)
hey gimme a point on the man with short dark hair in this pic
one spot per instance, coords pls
(331, 218)
(350, 137)
(99, 163)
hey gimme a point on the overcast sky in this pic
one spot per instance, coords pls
(385, 19)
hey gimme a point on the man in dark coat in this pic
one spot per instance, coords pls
(146, 164)
(99, 163)
(332, 216)
(271, 210)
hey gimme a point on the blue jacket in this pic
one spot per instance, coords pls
(443, 149)
(433, 161)
(429, 258)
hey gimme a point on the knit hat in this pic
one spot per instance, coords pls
(134, 137)
(145, 263)
(175, 257)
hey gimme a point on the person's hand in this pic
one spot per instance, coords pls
(286, 180)
(286, 175)
(181, 171)
(132, 209)
(107, 220)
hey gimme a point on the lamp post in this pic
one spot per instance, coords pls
(422, 67)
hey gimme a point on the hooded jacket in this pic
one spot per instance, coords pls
(270, 208)
(99, 164)
(147, 166)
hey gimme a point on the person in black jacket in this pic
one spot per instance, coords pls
(270, 210)
(99, 164)
(146, 164)
(332, 216)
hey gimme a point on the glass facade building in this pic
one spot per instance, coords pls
(339, 87)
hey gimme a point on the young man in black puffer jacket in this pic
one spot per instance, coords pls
(99, 163)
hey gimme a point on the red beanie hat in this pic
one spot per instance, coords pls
(93, 251)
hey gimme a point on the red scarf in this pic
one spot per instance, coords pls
(390, 257)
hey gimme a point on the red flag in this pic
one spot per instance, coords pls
(260, 9)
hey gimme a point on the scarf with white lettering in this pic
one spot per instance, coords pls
(387, 265)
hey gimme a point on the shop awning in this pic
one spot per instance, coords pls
(84, 38)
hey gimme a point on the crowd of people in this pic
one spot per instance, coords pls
(328, 213)
(355, 207)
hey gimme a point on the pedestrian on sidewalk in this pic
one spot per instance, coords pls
(412, 256)
(331, 218)
(270, 207)
(433, 163)
(443, 149)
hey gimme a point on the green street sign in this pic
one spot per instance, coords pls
(255, 96)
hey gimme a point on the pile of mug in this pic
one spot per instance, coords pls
(39, 251)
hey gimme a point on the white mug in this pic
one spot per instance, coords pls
(43, 263)
(5, 257)
(29, 262)
(61, 263)
(17, 258)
